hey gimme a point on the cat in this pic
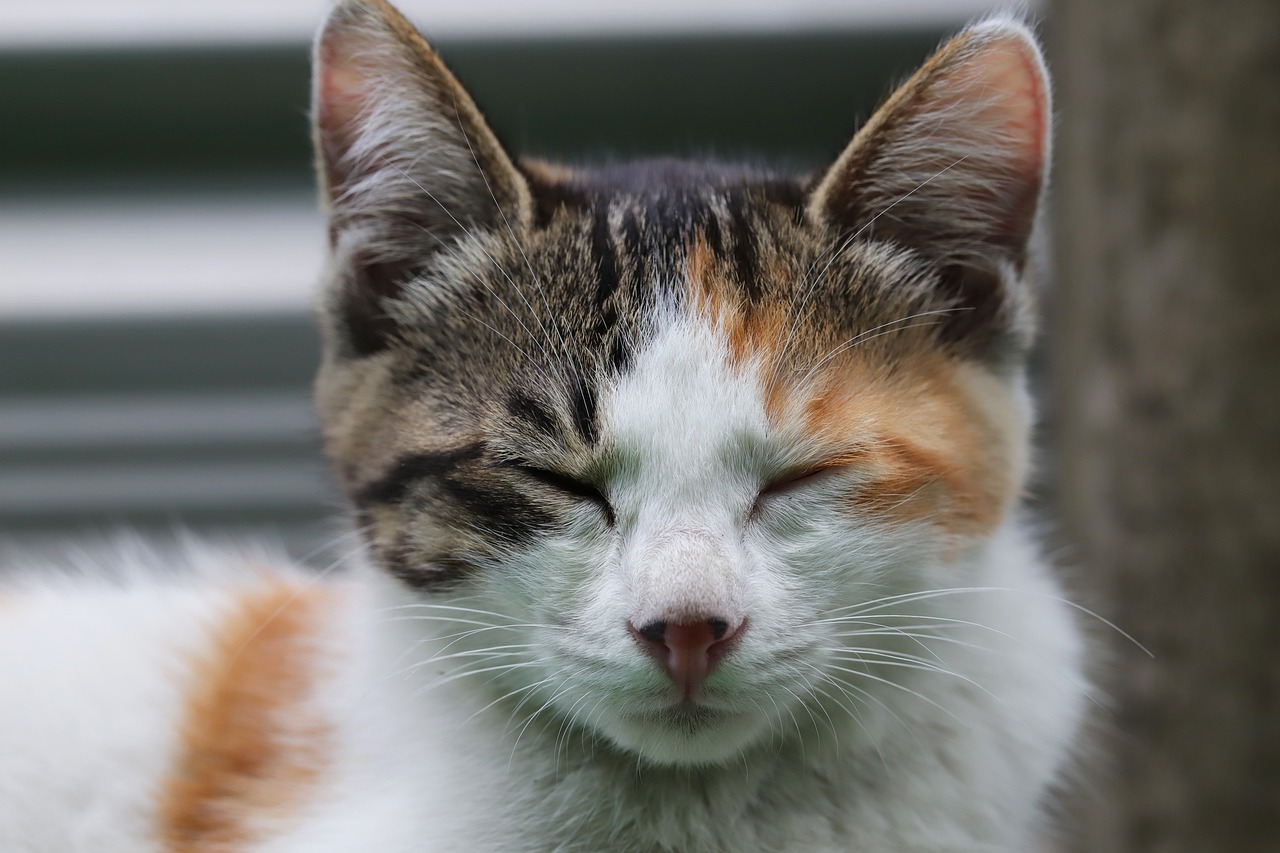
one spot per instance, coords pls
(689, 496)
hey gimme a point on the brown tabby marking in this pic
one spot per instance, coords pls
(250, 750)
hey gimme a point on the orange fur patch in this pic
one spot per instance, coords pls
(930, 448)
(754, 332)
(251, 748)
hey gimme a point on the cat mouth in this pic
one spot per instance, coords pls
(688, 716)
(686, 731)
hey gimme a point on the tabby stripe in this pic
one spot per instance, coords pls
(560, 482)
(436, 575)
(533, 413)
(715, 237)
(607, 276)
(620, 353)
(583, 397)
(506, 517)
(393, 485)
(631, 239)
(744, 250)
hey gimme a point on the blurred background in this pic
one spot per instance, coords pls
(159, 245)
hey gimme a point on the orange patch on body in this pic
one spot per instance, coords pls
(252, 750)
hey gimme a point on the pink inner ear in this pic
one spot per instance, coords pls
(1010, 77)
(341, 91)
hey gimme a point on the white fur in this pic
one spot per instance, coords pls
(521, 716)
(94, 674)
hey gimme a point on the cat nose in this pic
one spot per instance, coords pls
(688, 649)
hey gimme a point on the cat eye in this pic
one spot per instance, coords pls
(799, 478)
(569, 486)
(792, 481)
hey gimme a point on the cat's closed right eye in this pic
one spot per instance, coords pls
(568, 485)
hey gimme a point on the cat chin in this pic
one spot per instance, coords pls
(688, 737)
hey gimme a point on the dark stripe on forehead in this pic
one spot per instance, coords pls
(583, 397)
(609, 265)
(620, 353)
(787, 192)
(631, 234)
(392, 486)
(744, 248)
(606, 261)
(715, 238)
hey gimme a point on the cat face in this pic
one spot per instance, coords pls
(661, 426)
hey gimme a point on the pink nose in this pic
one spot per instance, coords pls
(688, 650)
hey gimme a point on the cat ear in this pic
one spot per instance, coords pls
(952, 166)
(406, 162)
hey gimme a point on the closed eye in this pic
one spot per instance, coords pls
(568, 485)
(800, 478)
(795, 480)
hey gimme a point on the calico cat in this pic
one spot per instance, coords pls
(689, 495)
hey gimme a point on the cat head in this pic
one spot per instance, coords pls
(671, 419)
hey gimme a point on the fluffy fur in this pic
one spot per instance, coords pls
(567, 403)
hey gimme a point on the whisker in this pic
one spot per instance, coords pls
(502, 698)
(851, 710)
(488, 654)
(883, 658)
(937, 593)
(561, 691)
(845, 688)
(888, 682)
(426, 605)
(468, 673)
(454, 638)
(566, 727)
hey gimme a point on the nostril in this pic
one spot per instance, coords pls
(688, 650)
(654, 632)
